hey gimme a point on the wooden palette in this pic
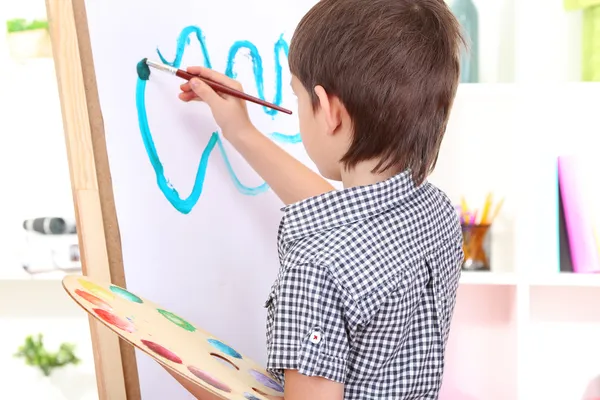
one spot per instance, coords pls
(202, 363)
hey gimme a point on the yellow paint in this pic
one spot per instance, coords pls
(97, 290)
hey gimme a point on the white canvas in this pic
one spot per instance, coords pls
(215, 264)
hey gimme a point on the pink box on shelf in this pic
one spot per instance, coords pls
(578, 206)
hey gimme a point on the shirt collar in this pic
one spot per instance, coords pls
(343, 207)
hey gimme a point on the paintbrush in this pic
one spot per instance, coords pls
(216, 86)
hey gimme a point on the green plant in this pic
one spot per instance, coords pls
(36, 355)
(21, 24)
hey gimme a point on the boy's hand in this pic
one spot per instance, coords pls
(291, 180)
(229, 112)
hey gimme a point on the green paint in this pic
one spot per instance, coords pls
(143, 70)
(177, 320)
(125, 294)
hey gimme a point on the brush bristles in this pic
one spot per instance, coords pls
(143, 70)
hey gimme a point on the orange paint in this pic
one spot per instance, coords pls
(90, 298)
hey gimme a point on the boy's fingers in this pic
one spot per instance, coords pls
(185, 87)
(215, 76)
(204, 92)
(196, 70)
(188, 96)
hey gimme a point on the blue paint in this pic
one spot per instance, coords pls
(223, 348)
(283, 138)
(280, 47)
(186, 205)
(184, 40)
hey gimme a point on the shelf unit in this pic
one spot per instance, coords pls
(524, 330)
(561, 279)
(528, 41)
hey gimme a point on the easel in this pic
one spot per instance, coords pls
(98, 230)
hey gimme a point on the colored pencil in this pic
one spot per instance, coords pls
(465, 209)
(497, 210)
(486, 209)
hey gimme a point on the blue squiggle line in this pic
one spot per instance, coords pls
(284, 138)
(280, 47)
(184, 205)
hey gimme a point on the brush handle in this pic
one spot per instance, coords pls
(219, 87)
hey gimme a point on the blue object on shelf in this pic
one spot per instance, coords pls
(466, 13)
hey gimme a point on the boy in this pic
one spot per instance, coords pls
(362, 304)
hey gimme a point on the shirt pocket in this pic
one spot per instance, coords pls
(271, 299)
(270, 304)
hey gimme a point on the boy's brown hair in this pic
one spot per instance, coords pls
(394, 64)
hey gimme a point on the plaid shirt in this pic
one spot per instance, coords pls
(366, 289)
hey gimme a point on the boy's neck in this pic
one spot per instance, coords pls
(362, 175)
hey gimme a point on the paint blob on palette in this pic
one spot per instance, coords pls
(96, 290)
(267, 381)
(90, 298)
(222, 347)
(177, 320)
(208, 378)
(212, 366)
(114, 320)
(127, 295)
(161, 351)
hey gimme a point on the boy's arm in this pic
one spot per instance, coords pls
(297, 387)
(291, 180)
(309, 342)
(301, 387)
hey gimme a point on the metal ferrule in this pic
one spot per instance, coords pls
(162, 67)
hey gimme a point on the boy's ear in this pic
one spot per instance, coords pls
(332, 109)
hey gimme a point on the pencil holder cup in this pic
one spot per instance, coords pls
(476, 247)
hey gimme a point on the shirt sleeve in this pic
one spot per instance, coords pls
(309, 326)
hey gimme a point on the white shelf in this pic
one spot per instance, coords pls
(488, 278)
(22, 276)
(565, 279)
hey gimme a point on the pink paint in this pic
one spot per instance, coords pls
(114, 320)
(161, 351)
(211, 380)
